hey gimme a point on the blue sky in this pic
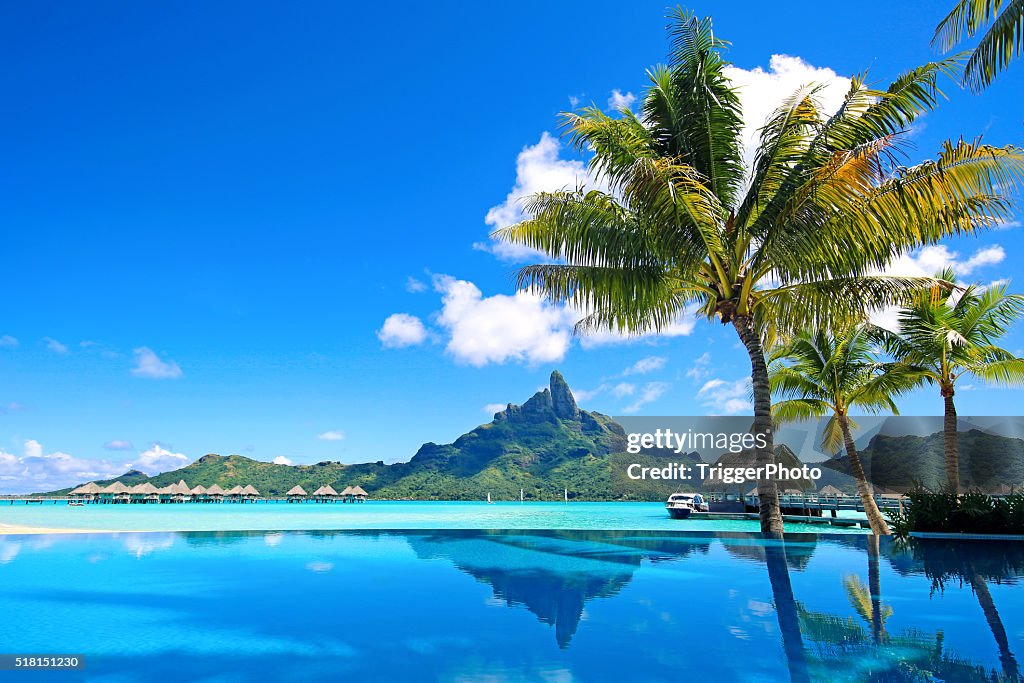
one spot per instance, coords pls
(210, 212)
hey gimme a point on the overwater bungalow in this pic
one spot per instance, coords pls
(86, 492)
(141, 493)
(180, 492)
(325, 494)
(216, 493)
(359, 495)
(146, 492)
(830, 492)
(296, 494)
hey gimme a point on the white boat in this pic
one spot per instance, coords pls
(682, 505)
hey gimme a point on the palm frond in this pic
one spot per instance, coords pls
(1001, 44)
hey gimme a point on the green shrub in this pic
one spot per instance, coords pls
(971, 512)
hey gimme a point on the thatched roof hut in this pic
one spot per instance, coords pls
(199, 490)
(830, 491)
(325, 492)
(347, 491)
(215, 490)
(296, 491)
(89, 489)
(250, 490)
(358, 492)
(116, 487)
(235, 490)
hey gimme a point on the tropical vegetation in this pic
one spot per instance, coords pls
(944, 510)
(1000, 44)
(817, 374)
(795, 241)
(949, 333)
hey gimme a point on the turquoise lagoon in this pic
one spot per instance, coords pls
(511, 605)
(371, 515)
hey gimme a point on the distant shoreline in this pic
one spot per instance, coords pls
(19, 530)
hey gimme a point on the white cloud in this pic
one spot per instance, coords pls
(651, 391)
(538, 169)
(148, 364)
(157, 459)
(118, 445)
(37, 471)
(333, 435)
(699, 369)
(495, 329)
(8, 342)
(620, 100)
(281, 460)
(645, 365)
(761, 92)
(415, 286)
(586, 395)
(523, 327)
(928, 261)
(623, 389)
(55, 346)
(492, 408)
(682, 327)
(401, 330)
(726, 398)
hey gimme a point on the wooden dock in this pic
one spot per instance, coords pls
(791, 519)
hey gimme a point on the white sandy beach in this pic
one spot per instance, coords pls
(14, 530)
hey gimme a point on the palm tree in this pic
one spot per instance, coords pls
(1001, 43)
(817, 375)
(790, 244)
(947, 334)
(867, 600)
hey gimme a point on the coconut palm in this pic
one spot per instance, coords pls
(1001, 43)
(948, 334)
(681, 225)
(817, 375)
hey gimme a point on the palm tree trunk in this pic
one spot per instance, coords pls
(786, 611)
(875, 586)
(874, 515)
(995, 624)
(949, 442)
(767, 492)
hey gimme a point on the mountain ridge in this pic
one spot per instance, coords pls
(542, 447)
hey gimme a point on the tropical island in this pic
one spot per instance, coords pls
(548, 448)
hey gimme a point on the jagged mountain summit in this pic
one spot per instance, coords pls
(542, 447)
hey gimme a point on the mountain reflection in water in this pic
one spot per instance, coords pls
(619, 605)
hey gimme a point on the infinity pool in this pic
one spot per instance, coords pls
(511, 605)
(372, 515)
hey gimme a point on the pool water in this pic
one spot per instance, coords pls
(372, 515)
(465, 605)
